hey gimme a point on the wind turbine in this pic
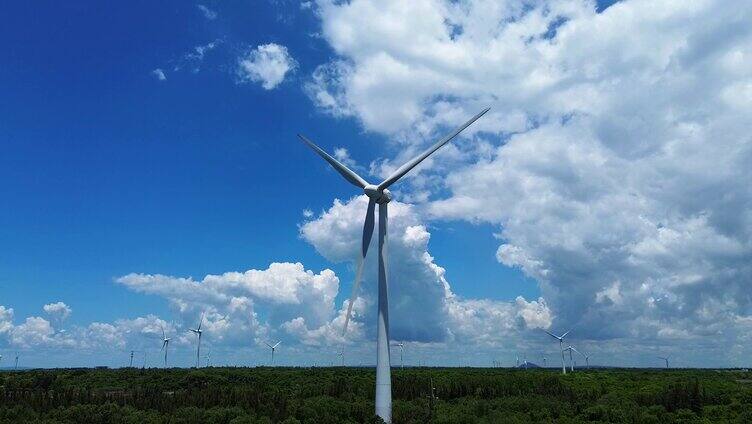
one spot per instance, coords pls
(570, 348)
(665, 359)
(561, 347)
(381, 195)
(131, 361)
(208, 358)
(165, 345)
(15, 367)
(544, 361)
(273, 348)
(587, 358)
(402, 351)
(516, 361)
(197, 331)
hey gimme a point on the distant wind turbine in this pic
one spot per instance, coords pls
(587, 358)
(544, 362)
(15, 367)
(402, 351)
(208, 358)
(665, 359)
(273, 348)
(130, 365)
(165, 345)
(381, 195)
(570, 348)
(561, 347)
(197, 331)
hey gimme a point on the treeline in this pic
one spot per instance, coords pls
(345, 395)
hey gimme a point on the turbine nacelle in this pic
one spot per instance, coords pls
(376, 194)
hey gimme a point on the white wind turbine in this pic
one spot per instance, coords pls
(208, 358)
(665, 359)
(544, 361)
(402, 352)
(587, 358)
(197, 331)
(130, 365)
(273, 349)
(165, 345)
(571, 348)
(378, 194)
(561, 347)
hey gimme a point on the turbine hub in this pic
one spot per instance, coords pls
(379, 196)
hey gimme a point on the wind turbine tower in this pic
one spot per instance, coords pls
(165, 346)
(665, 359)
(197, 331)
(379, 194)
(561, 347)
(273, 348)
(570, 348)
(15, 367)
(402, 351)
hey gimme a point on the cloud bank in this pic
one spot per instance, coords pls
(616, 159)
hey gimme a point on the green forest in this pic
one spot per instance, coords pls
(345, 395)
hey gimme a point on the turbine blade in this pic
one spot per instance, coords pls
(404, 169)
(268, 345)
(201, 321)
(275, 346)
(565, 334)
(367, 235)
(552, 335)
(349, 175)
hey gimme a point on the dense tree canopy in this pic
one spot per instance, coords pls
(345, 395)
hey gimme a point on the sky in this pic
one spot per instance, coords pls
(151, 174)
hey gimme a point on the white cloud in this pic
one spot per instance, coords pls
(159, 74)
(267, 64)
(616, 150)
(422, 306)
(283, 292)
(58, 311)
(208, 13)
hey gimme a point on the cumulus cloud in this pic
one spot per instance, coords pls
(267, 64)
(231, 301)
(422, 307)
(58, 311)
(614, 160)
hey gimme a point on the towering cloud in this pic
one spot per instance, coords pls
(616, 160)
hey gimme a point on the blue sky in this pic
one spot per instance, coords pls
(109, 170)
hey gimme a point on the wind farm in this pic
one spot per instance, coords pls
(376, 211)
